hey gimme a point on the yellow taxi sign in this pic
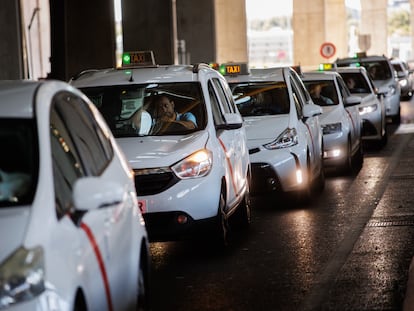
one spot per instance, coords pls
(325, 66)
(233, 69)
(138, 58)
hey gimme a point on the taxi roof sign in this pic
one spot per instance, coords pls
(138, 58)
(325, 66)
(233, 69)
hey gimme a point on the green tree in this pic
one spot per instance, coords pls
(399, 23)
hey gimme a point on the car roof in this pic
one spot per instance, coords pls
(17, 98)
(140, 75)
(347, 60)
(319, 75)
(351, 69)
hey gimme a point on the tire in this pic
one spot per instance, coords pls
(242, 216)
(221, 225)
(143, 286)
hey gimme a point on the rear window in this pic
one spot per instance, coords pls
(377, 69)
(261, 98)
(150, 109)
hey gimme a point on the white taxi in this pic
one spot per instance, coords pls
(283, 130)
(340, 120)
(73, 237)
(383, 75)
(184, 138)
(371, 108)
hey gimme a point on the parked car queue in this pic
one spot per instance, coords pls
(153, 153)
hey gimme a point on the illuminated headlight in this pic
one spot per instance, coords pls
(403, 82)
(22, 276)
(332, 128)
(287, 139)
(196, 165)
(367, 109)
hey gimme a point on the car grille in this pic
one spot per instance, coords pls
(264, 179)
(154, 181)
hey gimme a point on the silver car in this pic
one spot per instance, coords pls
(371, 108)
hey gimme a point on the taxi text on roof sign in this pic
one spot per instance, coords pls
(233, 69)
(138, 58)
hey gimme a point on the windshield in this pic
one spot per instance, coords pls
(377, 70)
(356, 82)
(150, 109)
(261, 98)
(18, 162)
(322, 92)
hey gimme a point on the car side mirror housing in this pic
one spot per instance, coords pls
(352, 100)
(92, 193)
(232, 121)
(311, 110)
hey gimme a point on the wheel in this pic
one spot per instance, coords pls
(143, 296)
(221, 230)
(242, 216)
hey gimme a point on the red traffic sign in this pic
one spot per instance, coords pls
(327, 49)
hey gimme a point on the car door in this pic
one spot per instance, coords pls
(311, 123)
(352, 114)
(231, 137)
(100, 237)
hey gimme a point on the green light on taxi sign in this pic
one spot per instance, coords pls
(138, 58)
(126, 59)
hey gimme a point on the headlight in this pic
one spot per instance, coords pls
(196, 165)
(367, 109)
(403, 82)
(21, 276)
(332, 128)
(288, 138)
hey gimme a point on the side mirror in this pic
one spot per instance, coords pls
(311, 110)
(92, 193)
(232, 121)
(352, 101)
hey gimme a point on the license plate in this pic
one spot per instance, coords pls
(142, 204)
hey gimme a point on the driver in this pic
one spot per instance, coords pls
(165, 115)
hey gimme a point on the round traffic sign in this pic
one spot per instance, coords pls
(328, 49)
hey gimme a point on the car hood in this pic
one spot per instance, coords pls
(262, 130)
(160, 151)
(330, 114)
(13, 224)
(383, 85)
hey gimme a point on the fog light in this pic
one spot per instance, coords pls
(182, 219)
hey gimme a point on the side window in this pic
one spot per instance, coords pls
(297, 98)
(343, 89)
(67, 167)
(87, 136)
(215, 105)
(226, 103)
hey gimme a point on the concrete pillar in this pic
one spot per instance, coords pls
(82, 36)
(231, 31)
(412, 28)
(12, 64)
(314, 23)
(374, 24)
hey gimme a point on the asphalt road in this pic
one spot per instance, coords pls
(350, 249)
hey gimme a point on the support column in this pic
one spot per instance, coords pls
(11, 49)
(373, 22)
(314, 23)
(231, 31)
